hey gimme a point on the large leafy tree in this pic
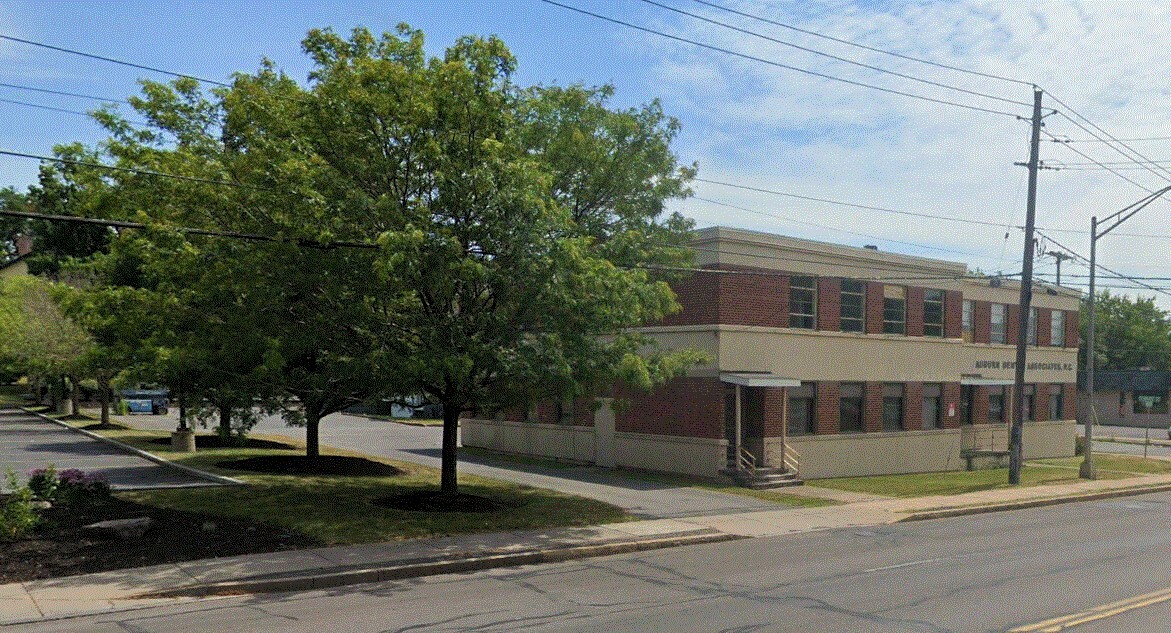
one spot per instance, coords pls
(1129, 333)
(497, 243)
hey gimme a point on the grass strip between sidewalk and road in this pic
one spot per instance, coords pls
(1040, 472)
(339, 510)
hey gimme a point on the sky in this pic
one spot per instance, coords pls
(749, 122)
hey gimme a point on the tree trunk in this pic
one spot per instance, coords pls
(312, 437)
(104, 392)
(447, 478)
(74, 395)
(225, 430)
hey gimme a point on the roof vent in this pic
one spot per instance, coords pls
(871, 247)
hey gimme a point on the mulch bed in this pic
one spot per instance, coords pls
(320, 465)
(58, 547)
(435, 501)
(111, 426)
(215, 441)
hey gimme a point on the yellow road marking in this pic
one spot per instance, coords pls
(1097, 613)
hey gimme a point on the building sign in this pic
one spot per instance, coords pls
(1034, 366)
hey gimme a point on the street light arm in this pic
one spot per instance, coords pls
(1129, 211)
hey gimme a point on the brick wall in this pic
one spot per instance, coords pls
(913, 406)
(1012, 324)
(979, 405)
(699, 297)
(953, 314)
(772, 409)
(1068, 400)
(872, 407)
(874, 307)
(692, 407)
(583, 412)
(1072, 334)
(981, 321)
(1044, 327)
(829, 304)
(761, 300)
(1041, 398)
(827, 409)
(951, 398)
(914, 311)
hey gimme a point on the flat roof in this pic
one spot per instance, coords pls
(757, 379)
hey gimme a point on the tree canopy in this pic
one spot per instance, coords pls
(1130, 333)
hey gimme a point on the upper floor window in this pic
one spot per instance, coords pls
(853, 305)
(1032, 340)
(894, 310)
(803, 302)
(1057, 326)
(967, 320)
(996, 333)
(932, 313)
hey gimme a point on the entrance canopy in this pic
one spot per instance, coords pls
(980, 381)
(758, 379)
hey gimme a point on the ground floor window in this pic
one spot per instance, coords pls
(932, 405)
(850, 408)
(1056, 402)
(892, 407)
(1150, 402)
(1029, 394)
(966, 404)
(996, 404)
(801, 420)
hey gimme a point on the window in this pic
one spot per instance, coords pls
(1029, 395)
(894, 310)
(1056, 402)
(996, 404)
(1032, 336)
(1057, 326)
(932, 405)
(1150, 402)
(967, 320)
(966, 404)
(932, 313)
(801, 410)
(803, 302)
(850, 419)
(892, 407)
(998, 319)
(853, 305)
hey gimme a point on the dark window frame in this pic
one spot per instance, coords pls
(803, 320)
(853, 405)
(933, 301)
(853, 291)
(894, 405)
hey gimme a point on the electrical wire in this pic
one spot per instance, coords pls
(1077, 114)
(112, 60)
(61, 110)
(1119, 275)
(62, 93)
(845, 60)
(778, 64)
(141, 172)
(863, 46)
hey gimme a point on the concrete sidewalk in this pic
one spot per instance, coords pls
(336, 566)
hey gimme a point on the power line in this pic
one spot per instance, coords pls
(62, 93)
(1104, 132)
(833, 228)
(835, 57)
(1113, 171)
(1119, 275)
(778, 64)
(112, 60)
(863, 46)
(141, 172)
(62, 110)
(1066, 139)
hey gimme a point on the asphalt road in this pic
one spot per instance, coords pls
(992, 572)
(639, 496)
(28, 442)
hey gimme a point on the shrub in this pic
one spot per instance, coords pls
(1079, 445)
(43, 483)
(17, 515)
(80, 488)
(121, 407)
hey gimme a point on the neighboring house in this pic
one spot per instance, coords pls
(1135, 397)
(826, 360)
(18, 266)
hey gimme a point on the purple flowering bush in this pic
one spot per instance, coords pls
(69, 486)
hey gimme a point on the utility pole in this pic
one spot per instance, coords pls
(1060, 257)
(1026, 300)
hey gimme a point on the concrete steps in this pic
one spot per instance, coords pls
(764, 478)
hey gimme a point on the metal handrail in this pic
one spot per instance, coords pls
(747, 461)
(792, 459)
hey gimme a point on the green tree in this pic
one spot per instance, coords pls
(1130, 333)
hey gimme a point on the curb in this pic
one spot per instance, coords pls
(219, 479)
(402, 421)
(1033, 503)
(1136, 441)
(416, 570)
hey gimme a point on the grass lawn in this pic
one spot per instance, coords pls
(337, 509)
(13, 394)
(407, 421)
(1035, 473)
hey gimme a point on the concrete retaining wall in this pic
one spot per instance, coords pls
(861, 454)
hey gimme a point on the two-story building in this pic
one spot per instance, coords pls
(827, 361)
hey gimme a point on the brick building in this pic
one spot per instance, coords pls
(825, 360)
